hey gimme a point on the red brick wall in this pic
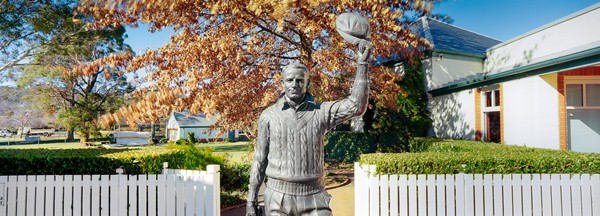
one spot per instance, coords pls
(562, 110)
(478, 133)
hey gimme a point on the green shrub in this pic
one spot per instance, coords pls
(191, 138)
(197, 158)
(235, 176)
(434, 156)
(394, 127)
(181, 142)
(346, 147)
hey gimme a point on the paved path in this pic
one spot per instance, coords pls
(342, 202)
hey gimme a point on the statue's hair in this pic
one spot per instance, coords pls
(294, 66)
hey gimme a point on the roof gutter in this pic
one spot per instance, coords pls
(459, 53)
(578, 59)
(395, 61)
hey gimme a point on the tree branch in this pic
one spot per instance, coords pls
(8, 43)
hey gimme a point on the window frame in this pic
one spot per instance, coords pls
(492, 90)
(485, 109)
(583, 81)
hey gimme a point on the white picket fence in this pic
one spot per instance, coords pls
(175, 192)
(475, 194)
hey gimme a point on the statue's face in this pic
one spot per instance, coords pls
(295, 82)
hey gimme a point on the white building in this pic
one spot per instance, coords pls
(540, 89)
(180, 124)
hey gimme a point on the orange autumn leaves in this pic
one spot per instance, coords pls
(227, 55)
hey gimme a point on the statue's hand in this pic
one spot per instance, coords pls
(251, 209)
(363, 52)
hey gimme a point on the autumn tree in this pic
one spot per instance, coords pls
(227, 55)
(47, 44)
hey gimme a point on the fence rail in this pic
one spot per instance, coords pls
(175, 192)
(476, 194)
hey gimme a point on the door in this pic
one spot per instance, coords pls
(492, 126)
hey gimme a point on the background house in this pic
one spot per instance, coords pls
(180, 123)
(540, 89)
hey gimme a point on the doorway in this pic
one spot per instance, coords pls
(491, 113)
(492, 125)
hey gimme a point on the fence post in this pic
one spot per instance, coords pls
(3, 186)
(373, 192)
(165, 169)
(214, 190)
(361, 192)
(358, 185)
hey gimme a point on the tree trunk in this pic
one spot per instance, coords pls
(84, 137)
(70, 134)
(153, 133)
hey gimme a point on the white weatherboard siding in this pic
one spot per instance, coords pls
(562, 37)
(202, 133)
(449, 69)
(453, 115)
(531, 112)
(171, 125)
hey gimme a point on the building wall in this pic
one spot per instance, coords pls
(172, 125)
(530, 112)
(588, 72)
(443, 69)
(453, 115)
(203, 133)
(565, 36)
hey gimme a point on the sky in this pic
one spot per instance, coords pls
(498, 19)
(506, 19)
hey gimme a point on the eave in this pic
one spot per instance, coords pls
(566, 62)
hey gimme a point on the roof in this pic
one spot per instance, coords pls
(447, 37)
(548, 51)
(184, 119)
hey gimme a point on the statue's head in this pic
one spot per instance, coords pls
(295, 81)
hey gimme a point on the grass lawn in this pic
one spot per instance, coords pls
(45, 142)
(236, 151)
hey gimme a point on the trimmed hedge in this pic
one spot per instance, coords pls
(102, 161)
(436, 156)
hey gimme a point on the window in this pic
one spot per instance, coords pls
(582, 95)
(592, 96)
(575, 95)
(497, 97)
(492, 98)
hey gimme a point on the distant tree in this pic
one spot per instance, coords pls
(44, 47)
(31, 27)
(18, 110)
(227, 55)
